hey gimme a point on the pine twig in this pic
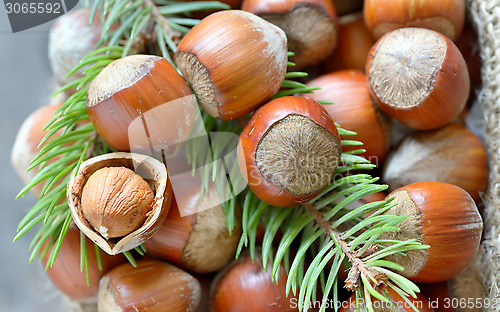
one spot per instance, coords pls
(358, 266)
(163, 21)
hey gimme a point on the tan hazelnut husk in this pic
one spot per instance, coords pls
(440, 215)
(65, 274)
(244, 285)
(151, 286)
(194, 235)
(151, 170)
(452, 154)
(419, 77)
(234, 61)
(444, 16)
(310, 26)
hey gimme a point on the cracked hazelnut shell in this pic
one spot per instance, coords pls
(151, 170)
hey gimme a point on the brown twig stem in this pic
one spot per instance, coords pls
(358, 266)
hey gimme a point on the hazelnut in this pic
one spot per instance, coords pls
(419, 77)
(151, 286)
(248, 277)
(66, 273)
(353, 109)
(442, 216)
(396, 303)
(354, 44)
(444, 16)
(452, 154)
(194, 235)
(234, 60)
(289, 151)
(140, 103)
(27, 140)
(310, 26)
(116, 201)
(71, 38)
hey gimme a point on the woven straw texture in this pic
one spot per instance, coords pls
(486, 17)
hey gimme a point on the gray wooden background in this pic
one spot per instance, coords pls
(25, 84)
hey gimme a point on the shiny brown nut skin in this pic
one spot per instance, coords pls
(219, 55)
(423, 93)
(440, 215)
(444, 16)
(151, 286)
(140, 101)
(354, 110)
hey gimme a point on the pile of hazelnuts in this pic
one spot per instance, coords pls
(400, 74)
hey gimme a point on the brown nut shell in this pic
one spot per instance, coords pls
(419, 77)
(354, 110)
(234, 60)
(199, 240)
(440, 215)
(26, 144)
(152, 286)
(149, 169)
(396, 304)
(140, 102)
(244, 285)
(354, 44)
(289, 150)
(66, 274)
(444, 16)
(310, 26)
(71, 38)
(452, 154)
